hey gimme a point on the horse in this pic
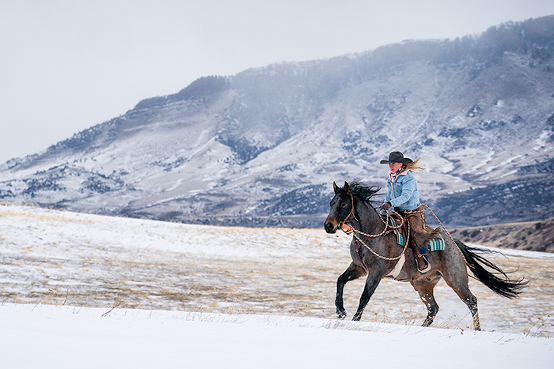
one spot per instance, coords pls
(379, 255)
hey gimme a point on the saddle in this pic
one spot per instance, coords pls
(402, 232)
(434, 242)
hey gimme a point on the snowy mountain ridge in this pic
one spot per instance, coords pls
(263, 147)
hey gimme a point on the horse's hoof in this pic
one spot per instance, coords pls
(341, 314)
(357, 317)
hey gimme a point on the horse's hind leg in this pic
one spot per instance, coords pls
(463, 292)
(353, 272)
(472, 305)
(426, 295)
(471, 301)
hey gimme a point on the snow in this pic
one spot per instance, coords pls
(73, 337)
(542, 141)
(89, 291)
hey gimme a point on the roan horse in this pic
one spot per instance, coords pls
(377, 257)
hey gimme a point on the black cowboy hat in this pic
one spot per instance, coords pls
(396, 157)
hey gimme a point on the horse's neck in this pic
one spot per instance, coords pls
(369, 219)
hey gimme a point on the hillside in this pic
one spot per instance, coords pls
(534, 236)
(262, 148)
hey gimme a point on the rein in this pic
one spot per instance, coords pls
(348, 229)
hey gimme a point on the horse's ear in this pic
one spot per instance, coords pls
(335, 187)
(346, 187)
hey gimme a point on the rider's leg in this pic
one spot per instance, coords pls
(420, 234)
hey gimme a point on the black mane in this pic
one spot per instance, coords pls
(364, 191)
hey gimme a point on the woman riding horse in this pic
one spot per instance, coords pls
(377, 253)
(402, 195)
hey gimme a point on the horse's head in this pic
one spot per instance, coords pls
(341, 206)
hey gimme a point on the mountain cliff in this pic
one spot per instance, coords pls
(262, 148)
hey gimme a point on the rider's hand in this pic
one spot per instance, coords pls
(386, 206)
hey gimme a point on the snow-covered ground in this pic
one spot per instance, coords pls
(73, 337)
(87, 291)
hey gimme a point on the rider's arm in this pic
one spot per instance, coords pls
(409, 185)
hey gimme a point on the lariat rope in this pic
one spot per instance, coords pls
(374, 236)
(448, 233)
(348, 229)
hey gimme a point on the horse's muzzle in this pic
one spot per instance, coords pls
(330, 227)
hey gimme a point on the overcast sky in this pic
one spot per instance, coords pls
(68, 65)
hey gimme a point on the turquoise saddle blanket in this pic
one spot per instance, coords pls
(433, 244)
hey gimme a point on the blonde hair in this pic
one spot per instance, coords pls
(414, 165)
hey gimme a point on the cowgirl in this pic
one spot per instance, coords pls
(402, 195)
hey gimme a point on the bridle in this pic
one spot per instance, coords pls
(344, 226)
(350, 229)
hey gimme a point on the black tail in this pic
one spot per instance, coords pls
(503, 286)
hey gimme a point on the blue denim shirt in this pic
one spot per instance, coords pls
(405, 196)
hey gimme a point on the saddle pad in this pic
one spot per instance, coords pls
(399, 236)
(436, 244)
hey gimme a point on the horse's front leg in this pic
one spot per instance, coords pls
(371, 284)
(353, 272)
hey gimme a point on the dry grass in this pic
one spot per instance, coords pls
(99, 275)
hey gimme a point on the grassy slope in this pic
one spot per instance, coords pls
(535, 236)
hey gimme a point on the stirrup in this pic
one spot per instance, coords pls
(425, 258)
(427, 268)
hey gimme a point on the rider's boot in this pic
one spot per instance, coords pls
(422, 259)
